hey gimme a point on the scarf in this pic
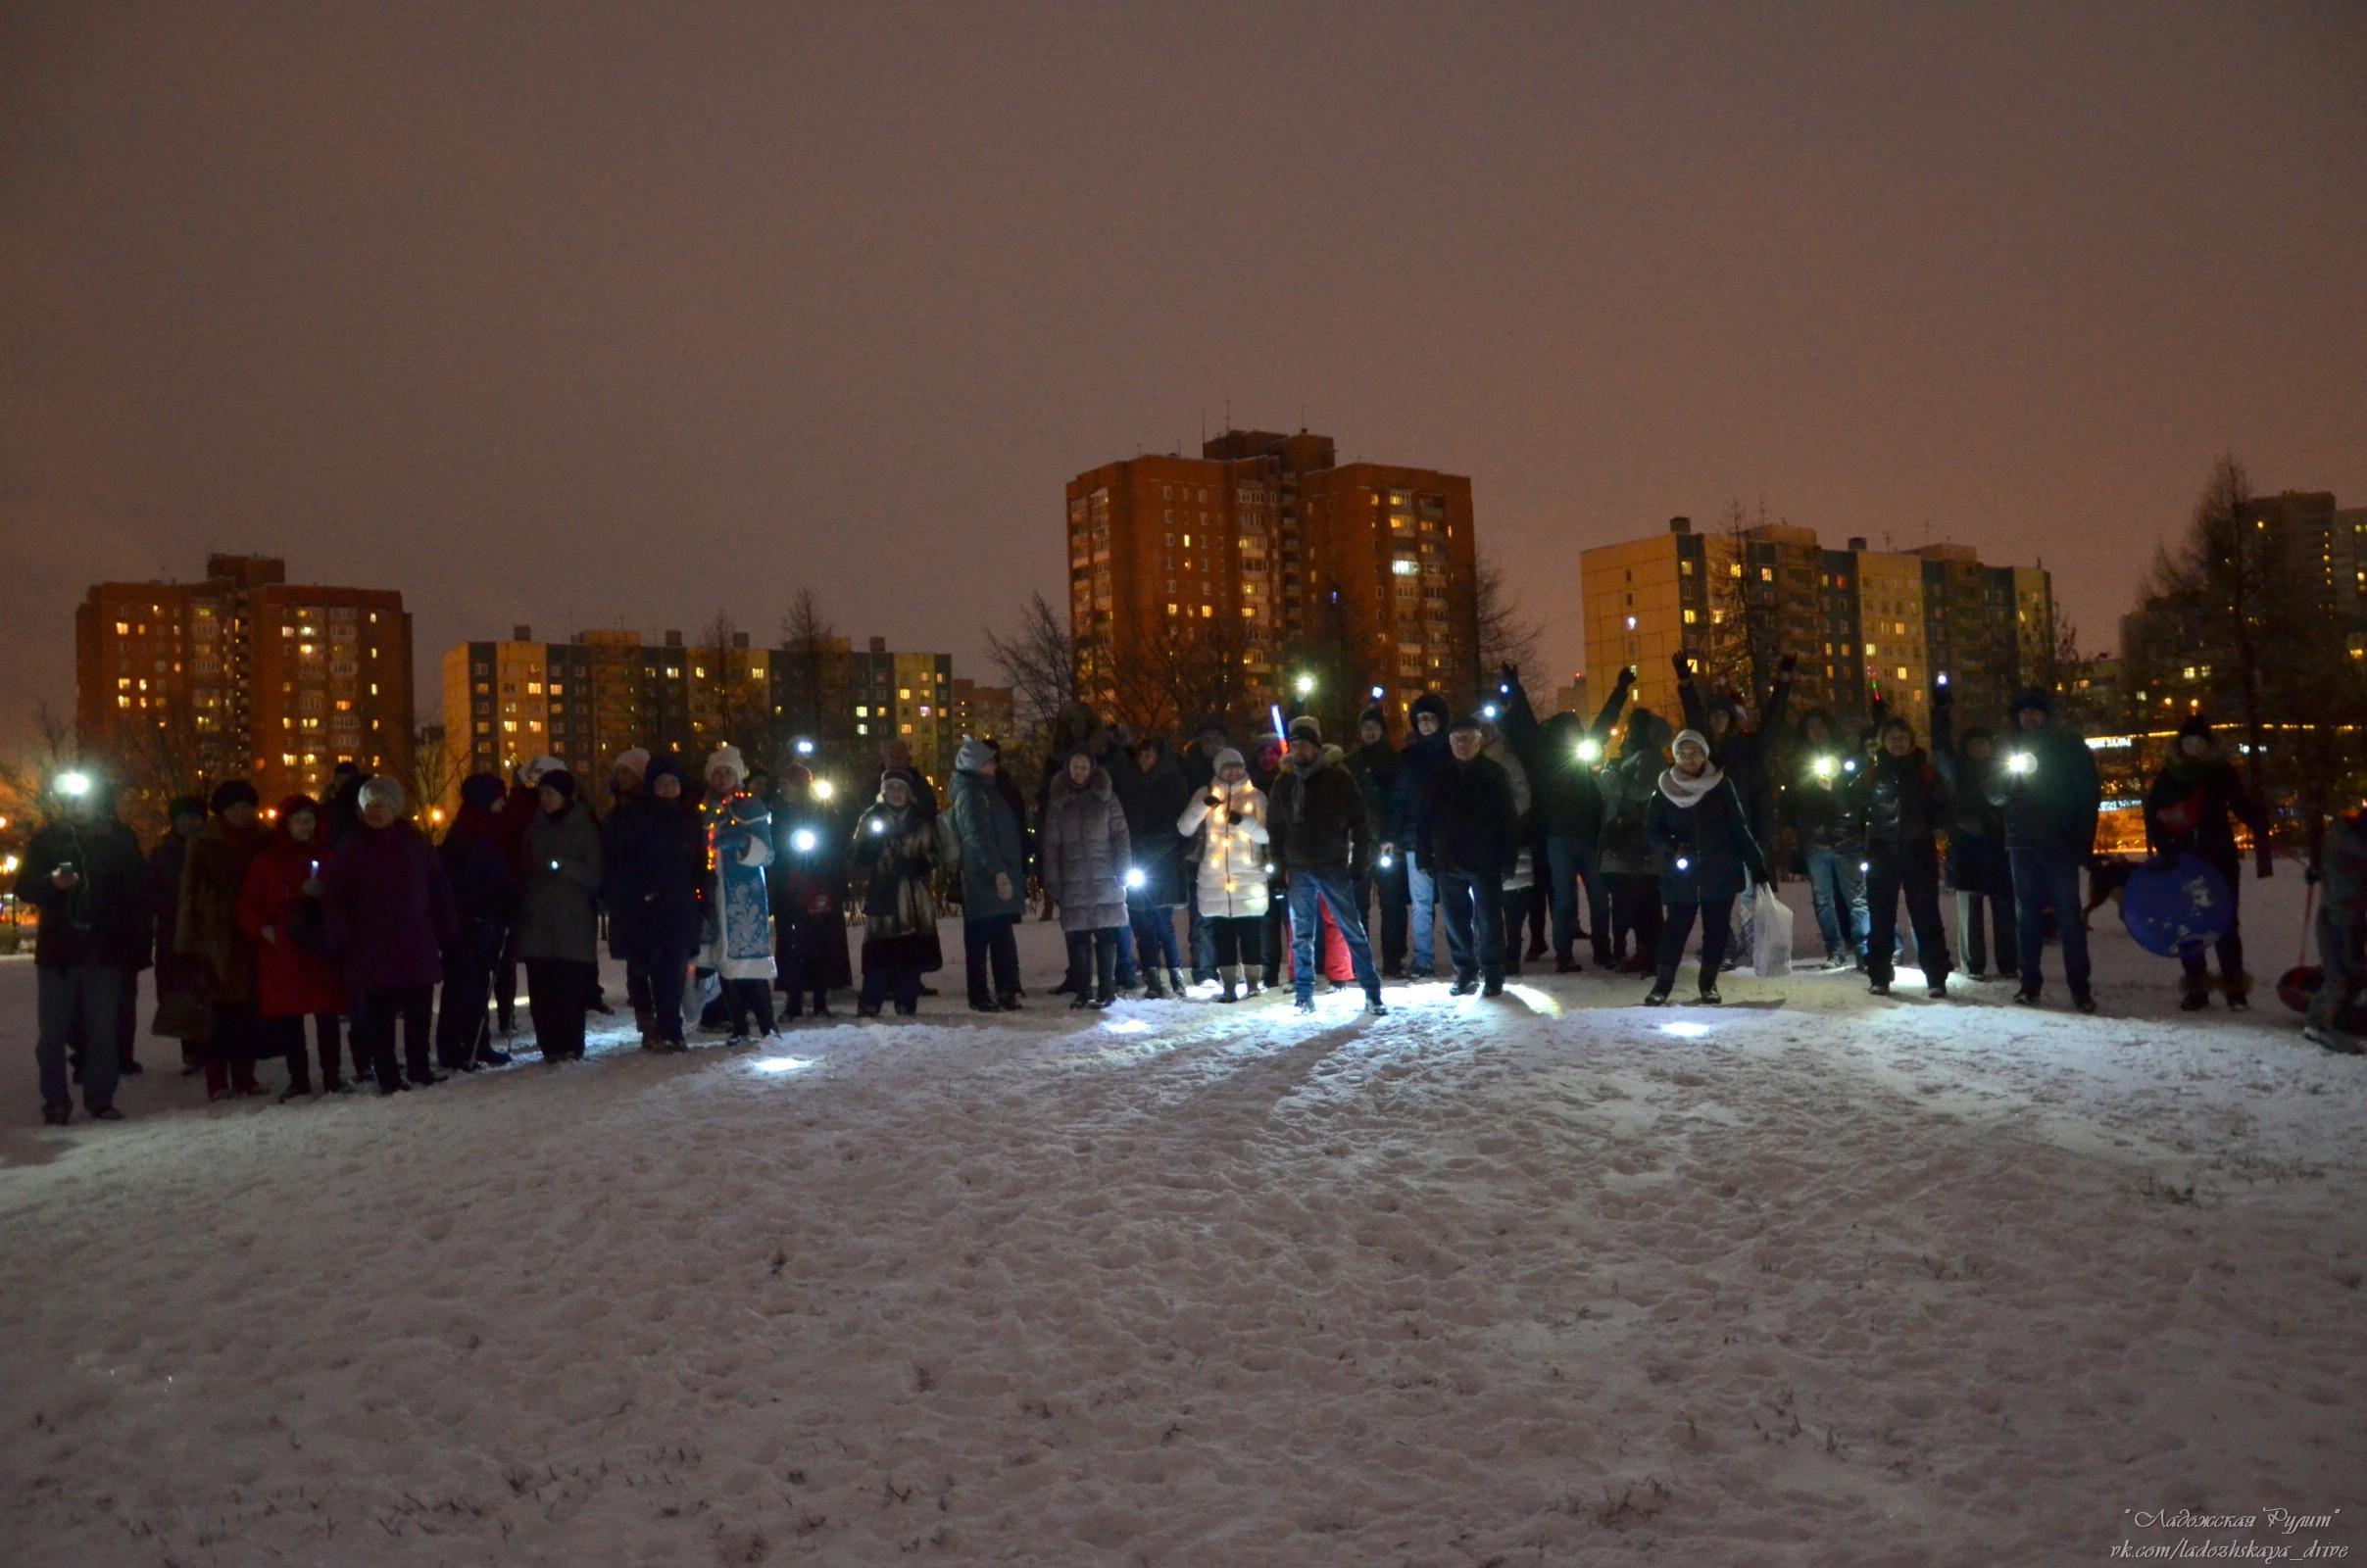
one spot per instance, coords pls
(1687, 792)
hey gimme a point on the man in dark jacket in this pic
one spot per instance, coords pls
(83, 875)
(1321, 843)
(1470, 839)
(2050, 794)
(1152, 791)
(1976, 866)
(1373, 765)
(1425, 751)
(1814, 805)
(2189, 810)
(1899, 805)
(1564, 758)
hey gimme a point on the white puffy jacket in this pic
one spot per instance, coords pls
(1232, 862)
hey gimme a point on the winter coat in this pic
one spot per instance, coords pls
(1628, 788)
(1233, 839)
(1471, 824)
(1900, 803)
(103, 918)
(653, 870)
(1375, 769)
(1316, 817)
(1976, 825)
(480, 873)
(1422, 755)
(182, 1012)
(1152, 802)
(206, 927)
(737, 916)
(1741, 755)
(2341, 867)
(390, 908)
(892, 866)
(1568, 786)
(2052, 807)
(291, 980)
(1816, 809)
(557, 912)
(1086, 852)
(994, 843)
(161, 880)
(1712, 837)
(2190, 808)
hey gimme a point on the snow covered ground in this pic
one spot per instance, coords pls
(1547, 1280)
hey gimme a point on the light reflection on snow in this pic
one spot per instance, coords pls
(1536, 1001)
(1685, 1031)
(781, 1064)
(1127, 1026)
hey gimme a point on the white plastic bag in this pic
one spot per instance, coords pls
(1771, 951)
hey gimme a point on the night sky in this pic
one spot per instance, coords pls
(583, 315)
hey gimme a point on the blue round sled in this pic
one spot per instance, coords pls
(2176, 905)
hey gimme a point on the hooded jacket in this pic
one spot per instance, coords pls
(291, 980)
(1086, 849)
(993, 844)
(1233, 839)
(1420, 757)
(557, 912)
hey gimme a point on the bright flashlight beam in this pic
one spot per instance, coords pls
(1685, 1031)
(73, 784)
(780, 1064)
(803, 841)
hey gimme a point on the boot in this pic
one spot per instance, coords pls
(1152, 990)
(1175, 981)
(646, 1019)
(2239, 989)
(1232, 984)
(2194, 993)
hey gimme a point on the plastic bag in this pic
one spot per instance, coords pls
(1771, 945)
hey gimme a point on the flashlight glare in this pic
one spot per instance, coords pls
(801, 841)
(1135, 877)
(822, 790)
(73, 784)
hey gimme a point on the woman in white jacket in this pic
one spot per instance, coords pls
(1231, 891)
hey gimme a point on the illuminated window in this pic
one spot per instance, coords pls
(1692, 617)
(904, 694)
(863, 711)
(906, 729)
(1207, 610)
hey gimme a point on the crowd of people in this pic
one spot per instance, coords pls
(318, 933)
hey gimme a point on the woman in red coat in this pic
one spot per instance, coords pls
(279, 910)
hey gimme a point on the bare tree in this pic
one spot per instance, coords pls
(728, 697)
(816, 702)
(1744, 640)
(1039, 663)
(1507, 635)
(1198, 668)
(435, 770)
(26, 775)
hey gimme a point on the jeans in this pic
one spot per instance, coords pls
(90, 995)
(2342, 949)
(1717, 921)
(1127, 974)
(1974, 912)
(2041, 878)
(1835, 883)
(1311, 893)
(374, 1016)
(1474, 907)
(559, 993)
(991, 940)
(1914, 873)
(1154, 938)
(1568, 863)
(1091, 961)
(1421, 892)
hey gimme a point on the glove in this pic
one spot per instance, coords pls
(1627, 676)
(2313, 877)
(1787, 665)
(1211, 799)
(1942, 694)
(1002, 884)
(1681, 661)
(2268, 868)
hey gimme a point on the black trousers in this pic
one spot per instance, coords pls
(1238, 939)
(375, 1016)
(747, 1000)
(505, 982)
(1979, 915)
(1636, 913)
(462, 1030)
(284, 1038)
(559, 993)
(1913, 871)
(1096, 950)
(1473, 904)
(1390, 888)
(1717, 922)
(669, 972)
(986, 941)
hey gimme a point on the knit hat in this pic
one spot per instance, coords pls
(974, 754)
(911, 781)
(185, 806)
(633, 759)
(1229, 758)
(294, 804)
(1689, 737)
(1434, 704)
(232, 791)
(559, 779)
(531, 774)
(1469, 722)
(379, 787)
(482, 790)
(1373, 715)
(2195, 724)
(1213, 724)
(2037, 697)
(1304, 728)
(727, 755)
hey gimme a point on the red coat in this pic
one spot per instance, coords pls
(289, 982)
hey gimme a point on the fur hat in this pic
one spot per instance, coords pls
(231, 792)
(559, 779)
(1304, 728)
(2195, 724)
(727, 755)
(482, 790)
(1373, 715)
(381, 788)
(973, 755)
(633, 759)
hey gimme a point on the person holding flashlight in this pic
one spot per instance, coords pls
(559, 916)
(1700, 830)
(1899, 805)
(1814, 806)
(279, 911)
(2050, 797)
(992, 831)
(82, 872)
(894, 853)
